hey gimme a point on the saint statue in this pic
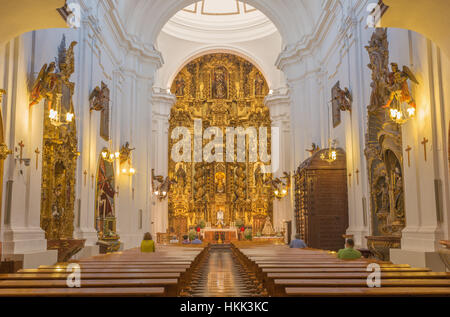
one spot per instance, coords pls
(219, 84)
(220, 218)
(268, 228)
(180, 84)
(259, 85)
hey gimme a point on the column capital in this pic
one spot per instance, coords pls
(162, 101)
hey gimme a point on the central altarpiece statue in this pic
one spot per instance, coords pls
(222, 90)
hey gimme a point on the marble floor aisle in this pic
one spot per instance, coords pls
(221, 275)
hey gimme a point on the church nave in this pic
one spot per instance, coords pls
(224, 148)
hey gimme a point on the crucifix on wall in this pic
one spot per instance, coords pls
(85, 174)
(357, 176)
(408, 149)
(37, 156)
(424, 142)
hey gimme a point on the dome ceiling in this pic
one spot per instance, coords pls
(219, 21)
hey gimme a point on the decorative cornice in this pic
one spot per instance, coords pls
(161, 102)
(278, 97)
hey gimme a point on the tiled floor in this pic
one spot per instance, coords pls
(222, 276)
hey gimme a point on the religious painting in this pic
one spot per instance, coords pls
(220, 83)
(104, 199)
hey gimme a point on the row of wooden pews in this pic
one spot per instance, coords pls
(128, 273)
(305, 272)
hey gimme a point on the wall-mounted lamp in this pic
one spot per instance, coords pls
(281, 185)
(331, 155)
(163, 188)
(55, 114)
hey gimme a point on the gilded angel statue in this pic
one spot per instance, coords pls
(397, 84)
(44, 84)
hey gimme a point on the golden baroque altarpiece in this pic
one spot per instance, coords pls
(59, 154)
(384, 156)
(223, 90)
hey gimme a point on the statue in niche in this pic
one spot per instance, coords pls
(44, 84)
(179, 86)
(382, 195)
(259, 85)
(268, 228)
(259, 180)
(220, 181)
(220, 218)
(397, 84)
(181, 179)
(219, 84)
(398, 194)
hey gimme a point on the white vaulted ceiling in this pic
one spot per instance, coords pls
(219, 21)
(294, 19)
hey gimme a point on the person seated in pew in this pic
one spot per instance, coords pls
(147, 245)
(349, 253)
(196, 241)
(298, 243)
(186, 240)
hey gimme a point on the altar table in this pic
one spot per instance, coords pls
(211, 235)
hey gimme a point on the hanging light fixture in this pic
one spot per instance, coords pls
(55, 114)
(400, 112)
(331, 154)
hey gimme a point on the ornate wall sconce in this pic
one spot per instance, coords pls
(124, 156)
(331, 154)
(162, 189)
(109, 155)
(281, 185)
(125, 153)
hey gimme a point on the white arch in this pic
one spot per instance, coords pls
(220, 49)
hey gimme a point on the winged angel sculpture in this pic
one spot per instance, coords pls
(397, 84)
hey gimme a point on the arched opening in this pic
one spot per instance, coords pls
(217, 172)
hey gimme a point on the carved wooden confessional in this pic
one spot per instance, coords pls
(321, 208)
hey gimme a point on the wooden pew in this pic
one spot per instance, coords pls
(170, 285)
(127, 273)
(281, 284)
(83, 292)
(365, 291)
(294, 272)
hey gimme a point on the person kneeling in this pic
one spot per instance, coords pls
(147, 245)
(349, 253)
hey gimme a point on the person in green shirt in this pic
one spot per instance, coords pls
(147, 245)
(349, 253)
